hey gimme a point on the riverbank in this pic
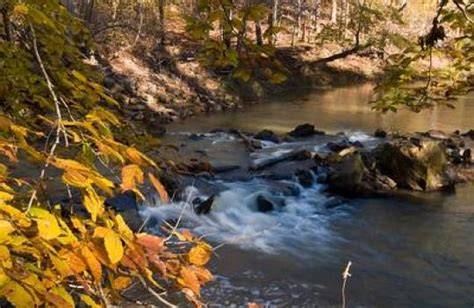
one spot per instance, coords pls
(160, 84)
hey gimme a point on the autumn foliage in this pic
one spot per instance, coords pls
(57, 117)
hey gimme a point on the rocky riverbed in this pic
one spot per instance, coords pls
(349, 166)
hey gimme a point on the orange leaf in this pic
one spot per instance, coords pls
(122, 282)
(92, 263)
(150, 242)
(132, 175)
(159, 188)
(189, 280)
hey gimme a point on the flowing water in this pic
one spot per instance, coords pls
(416, 251)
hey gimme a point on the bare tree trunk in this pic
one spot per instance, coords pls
(6, 23)
(227, 30)
(258, 33)
(115, 5)
(317, 9)
(89, 11)
(161, 14)
(274, 20)
(334, 11)
(297, 25)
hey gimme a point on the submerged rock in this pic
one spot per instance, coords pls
(305, 177)
(302, 155)
(415, 164)
(267, 135)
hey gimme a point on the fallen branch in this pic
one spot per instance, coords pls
(343, 54)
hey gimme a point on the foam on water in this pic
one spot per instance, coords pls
(234, 219)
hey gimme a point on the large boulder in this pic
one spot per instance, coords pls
(345, 177)
(305, 130)
(419, 165)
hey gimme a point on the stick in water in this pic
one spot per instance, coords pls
(345, 275)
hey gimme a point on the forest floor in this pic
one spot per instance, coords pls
(159, 84)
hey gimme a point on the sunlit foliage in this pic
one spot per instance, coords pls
(56, 114)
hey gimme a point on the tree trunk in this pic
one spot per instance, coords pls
(274, 20)
(258, 33)
(334, 12)
(297, 25)
(161, 15)
(7, 24)
(317, 8)
(89, 11)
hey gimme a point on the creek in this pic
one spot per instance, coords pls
(412, 251)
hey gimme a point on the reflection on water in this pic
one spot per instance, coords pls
(334, 110)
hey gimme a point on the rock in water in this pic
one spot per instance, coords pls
(264, 205)
(469, 134)
(467, 156)
(267, 135)
(338, 146)
(380, 133)
(305, 130)
(126, 204)
(302, 155)
(305, 177)
(419, 166)
(345, 177)
(205, 207)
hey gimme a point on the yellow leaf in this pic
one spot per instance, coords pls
(64, 300)
(93, 203)
(3, 278)
(17, 295)
(79, 76)
(159, 188)
(5, 257)
(48, 227)
(6, 196)
(113, 245)
(89, 301)
(77, 223)
(61, 266)
(5, 229)
(74, 262)
(131, 176)
(100, 232)
(139, 158)
(200, 254)
(20, 9)
(122, 227)
(19, 217)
